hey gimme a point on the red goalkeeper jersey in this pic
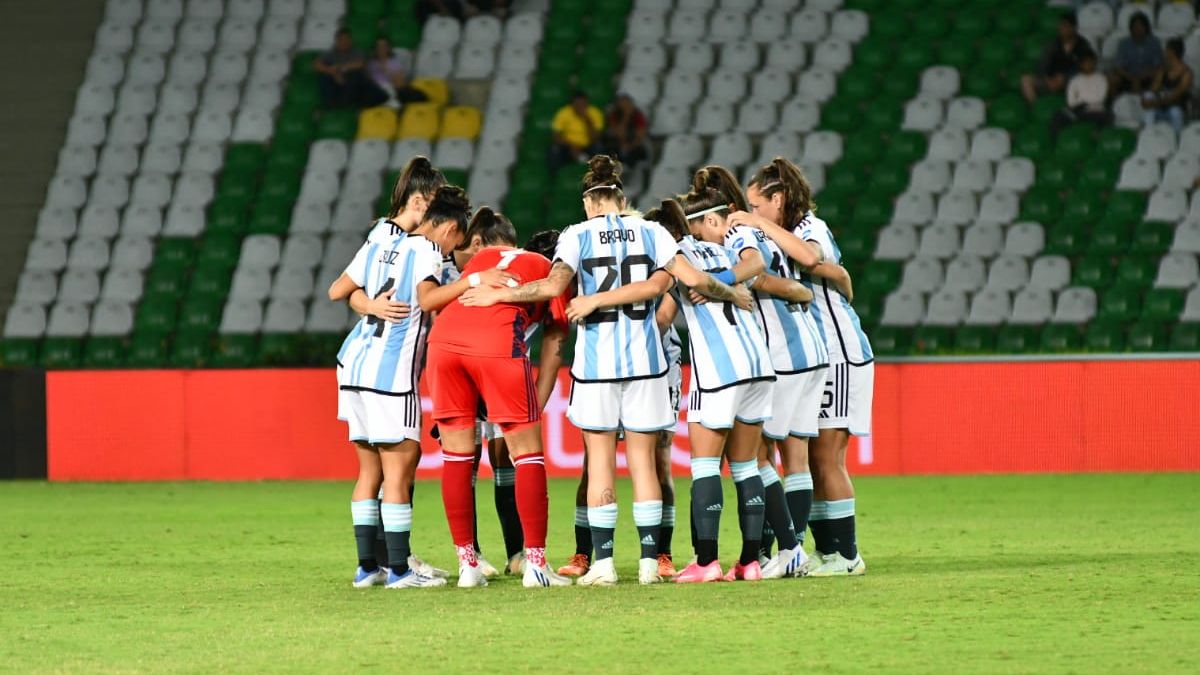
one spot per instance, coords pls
(502, 329)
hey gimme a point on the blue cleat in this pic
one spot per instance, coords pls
(365, 579)
(412, 579)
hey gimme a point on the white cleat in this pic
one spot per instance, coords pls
(648, 571)
(516, 564)
(364, 579)
(489, 570)
(834, 565)
(413, 579)
(536, 577)
(471, 576)
(787, 563)
(602, 573)
(425, 568)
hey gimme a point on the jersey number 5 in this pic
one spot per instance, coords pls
(605, 270)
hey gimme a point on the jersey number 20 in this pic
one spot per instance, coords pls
(605, 270)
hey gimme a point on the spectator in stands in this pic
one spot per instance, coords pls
(1087, 93)
(1171, 89)
(1139, 58)
(342, 76)
(460, 9)
(577, 127)
(1059, 62)
(389, 70)
(625, 131)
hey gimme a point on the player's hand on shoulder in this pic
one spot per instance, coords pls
(742, 297)
(480, 296)
(384, 307)
(745, 219)
(498, 278)
(580, 308)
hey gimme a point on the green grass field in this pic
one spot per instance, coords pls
(1096, 573)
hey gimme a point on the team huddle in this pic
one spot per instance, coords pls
(780, 368)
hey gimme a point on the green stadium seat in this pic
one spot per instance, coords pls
(280, 186)
(856, 244)
(932, 339)
(611, 8)
(1008, 112)
(1040, 205)
(832, 209)
(891, 341)
(1115, 144)
(1103, 336)
(915, 56)
(932, 26)
(1075, 143)
(364, 30)
(1153, 237)
(155, 317)
(1046, 106)
(1012, 24)
(861, 150)
(871, 214)
(104, 352)
(175, 251)
(1098, 176)
(402, 31)
(841, 115)
(190, 350)
(19, 353)
(1065, 239)
(245, 158)
(883, 115)
(1163, 304)
(1148, 336)
(1137, 271)
(287, 157)
(235, 351)
(858, 82)
(368, 8)
(873, 53)
(1057, 337)
(240, 184)
(219, 250)
(210, 282)
(456, 177)
(295, 123)
(1057, 174)
(1030, 53)
(957, 53)
(998, 55)
(970, 26)
(526, 217)
(339, 124)
(272, 215)
(868, 308)
(200, 316)
(881, 277)
(906, 147)
(889, 25)
(1185, 337)
(318, 348)
(974, 339)
(1016, 339)
(1032, 142)
(61, 352)
(1119, 304)
(569, 179)
(167, 283)
(279, 349)
(302, 63)
(983, 82)
(1093, 271)
(146, 351)
(1109, 239)
(228, 215)
(1127, 205)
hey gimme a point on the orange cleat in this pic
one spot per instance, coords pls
(577, 566)
(666, 568)
(751, 572)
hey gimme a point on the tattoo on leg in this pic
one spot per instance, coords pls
(607, 497)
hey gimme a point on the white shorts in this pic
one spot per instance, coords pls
(675, 386)
(487, 432)
(748, 402)
(379, 418)
(797, 403)
(633, 405)
(846, 401)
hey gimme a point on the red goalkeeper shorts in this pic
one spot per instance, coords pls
(460, 383)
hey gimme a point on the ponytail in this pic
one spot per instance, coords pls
(670, 215)
(419, 177)
(783, 176)
(494, 229)
(449, 204)
(720, 179)
(603, 179)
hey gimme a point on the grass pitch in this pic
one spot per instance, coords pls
(1096, 573)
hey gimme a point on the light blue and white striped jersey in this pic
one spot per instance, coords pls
(795, 342)
(450, 272)
(673, 346)
(835, 317)
(384, 231)
(379, 355)
(607, 252)
(726, 343)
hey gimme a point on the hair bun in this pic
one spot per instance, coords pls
(453, 197)
(603, 171)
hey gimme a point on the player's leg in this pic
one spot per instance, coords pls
(581, 560)
(640, 453)
(708, 500)
(662, 466)
(505, 497)
(602, 505)
(364, 510)
(778, 517)
(399, 461)
(533, 504)
(742, 450)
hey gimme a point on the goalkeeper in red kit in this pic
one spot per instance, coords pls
(478, 360)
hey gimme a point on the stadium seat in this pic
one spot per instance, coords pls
(1008, 273)
(1177, 270)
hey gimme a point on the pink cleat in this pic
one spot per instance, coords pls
(695, 574)
(750, 572)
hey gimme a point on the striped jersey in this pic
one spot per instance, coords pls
(726, 343)
(793, 339)
(379, 355)
(450, 272)
(383, 231)
(835, 317)
(607, 252)
(673, 347)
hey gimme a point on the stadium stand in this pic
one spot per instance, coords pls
(202, 198)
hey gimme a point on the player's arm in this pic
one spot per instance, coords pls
(383, 306)
(707, 284)
(440, 296)
(665, 314)
(542, 290)
(554, 336)
(749, 265)
(638, 291)
(806, 253)
(788, 290)
(836, 275)
(342, 287)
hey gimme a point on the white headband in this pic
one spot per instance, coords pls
(705, 212)
(603, 187)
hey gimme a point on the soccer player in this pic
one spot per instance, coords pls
(478, 356)
(619, 369)
(800, 360)
(730, 395)
(781, 205)
(380, 362)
